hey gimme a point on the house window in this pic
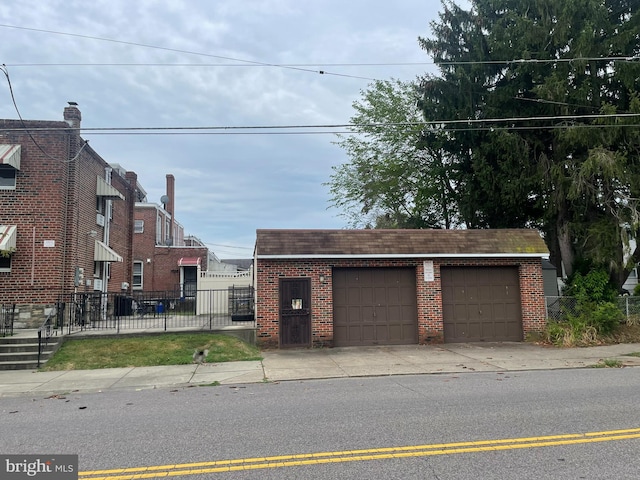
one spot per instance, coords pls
(137, 275)
(100, 205)
(158, 230)
(138, 226)
(7, 177)
(5, 263)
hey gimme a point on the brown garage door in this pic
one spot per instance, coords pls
(374, 306)
(481, 304)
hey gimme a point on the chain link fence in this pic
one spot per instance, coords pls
(559, 307)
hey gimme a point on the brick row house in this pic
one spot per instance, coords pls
(389, 287)
(164, 260)
(66, 218)
(73, 223)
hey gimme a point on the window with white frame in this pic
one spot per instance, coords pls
(7, 177)
(137, 275)
(138, 226)
(158, 230)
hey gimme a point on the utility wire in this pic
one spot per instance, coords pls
(435, 123)
(625, 59)
(175, 50)
(24, 126)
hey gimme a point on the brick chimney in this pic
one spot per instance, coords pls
(169, 207)
(72, 115)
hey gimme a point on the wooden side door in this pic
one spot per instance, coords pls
(295, 312)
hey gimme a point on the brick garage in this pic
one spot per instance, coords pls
(375, 287)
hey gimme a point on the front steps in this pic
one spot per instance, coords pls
(20, 352)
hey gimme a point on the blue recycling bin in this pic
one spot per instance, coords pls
(160, 308)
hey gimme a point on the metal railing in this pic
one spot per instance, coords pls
(164, 310)
(7, 315)
(44, 334)
(557, 308)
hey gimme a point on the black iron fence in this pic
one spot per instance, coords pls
(206, 309)
(7, 316)
(45, 333)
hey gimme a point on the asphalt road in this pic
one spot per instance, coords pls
(557, 424)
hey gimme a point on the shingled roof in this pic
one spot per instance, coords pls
(399, 243)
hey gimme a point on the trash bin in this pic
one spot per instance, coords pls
(122, 306)
(160, 308)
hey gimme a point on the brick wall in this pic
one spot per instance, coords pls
(54, 209)
(429, 294)
(160, 262)
(38, 208)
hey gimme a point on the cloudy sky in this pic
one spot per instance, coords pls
(214, 63)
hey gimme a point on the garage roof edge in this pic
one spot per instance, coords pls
(407, 255)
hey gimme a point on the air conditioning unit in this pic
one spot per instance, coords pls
(100, 219)
(124, 286)
(97, 284)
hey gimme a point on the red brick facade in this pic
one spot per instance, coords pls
(429, 294)
(158, 245)
(55, 206)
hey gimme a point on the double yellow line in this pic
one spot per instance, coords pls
(295, 460)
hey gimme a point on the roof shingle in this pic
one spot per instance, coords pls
(367, 243)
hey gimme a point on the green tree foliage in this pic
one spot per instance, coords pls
(541, 87)
(393, 180)
(530, 122)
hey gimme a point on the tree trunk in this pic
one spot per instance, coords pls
(565, 243)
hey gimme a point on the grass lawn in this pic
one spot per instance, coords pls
(165, 349)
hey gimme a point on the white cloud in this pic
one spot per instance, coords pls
(227, 186)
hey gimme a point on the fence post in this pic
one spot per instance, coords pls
(546, 308)
(211, 304)
(626, 304)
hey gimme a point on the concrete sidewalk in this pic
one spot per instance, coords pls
(305, 364)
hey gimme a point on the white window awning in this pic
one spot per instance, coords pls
(103, 253)
(103, 189)
(8, 237)
(10, 155)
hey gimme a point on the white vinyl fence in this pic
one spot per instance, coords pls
(238, 284)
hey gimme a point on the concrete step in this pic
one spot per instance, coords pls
(18, 347)
(21, 353)
(17, 340)
(20, 356)
(22, 365)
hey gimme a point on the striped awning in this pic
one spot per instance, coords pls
(103, 189)
(8, 237)
(189, 262)
(10, 155)
(103, 253)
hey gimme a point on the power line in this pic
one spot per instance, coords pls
(322, 127)
(632, 59)
(175, 50)
(283, 65)
(24, 126)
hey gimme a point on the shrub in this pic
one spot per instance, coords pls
(594, 314)
(606, 317)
